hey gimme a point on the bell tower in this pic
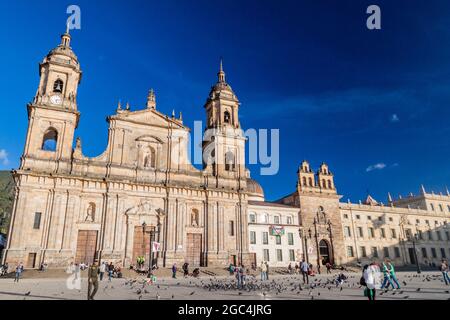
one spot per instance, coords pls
(224, 142)
(53, 115)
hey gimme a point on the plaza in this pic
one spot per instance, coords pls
(426, 286)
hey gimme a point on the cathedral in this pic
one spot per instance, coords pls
(143, 198)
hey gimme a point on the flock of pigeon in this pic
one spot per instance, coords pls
(287, 287)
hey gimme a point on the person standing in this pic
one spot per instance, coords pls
(174, 271)
(110, 271)
(186, 269)
(304, 268)
(444, 269)
(102, 270)
(263, 271)
(93, 272)
(19, 270)
(267, 270)
(290, 268)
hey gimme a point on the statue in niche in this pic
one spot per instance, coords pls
(194, 218)
(90, 213)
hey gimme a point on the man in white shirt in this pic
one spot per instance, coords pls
(304, 267)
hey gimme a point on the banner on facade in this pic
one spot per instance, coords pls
(276, 230)
(156, 247)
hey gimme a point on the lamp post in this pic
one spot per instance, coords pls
(300, 233)
(329, 228)
(316, 235)
(415, 238)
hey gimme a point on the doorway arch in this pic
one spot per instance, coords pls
(324, 251)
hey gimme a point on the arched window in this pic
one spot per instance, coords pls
(58, 86)
(230, 163)
(304, 181)
(150, 158)
(311, 182)
(324, 185)
(329, 184)
(50, 140)
(226, 117)
(264, 218)
(252, 218)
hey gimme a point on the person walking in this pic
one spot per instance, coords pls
(290, 268)
(386, 276)
(267, 270)
(296, 268)
(174, 271)
(102, 270)
(392, 273)
(263, 271)
(328, 266)
(186, 269)
(371, 275)
(444, 269)
(93, 272)
(19, 270)
(304, 267)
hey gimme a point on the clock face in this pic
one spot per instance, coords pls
(55, 99)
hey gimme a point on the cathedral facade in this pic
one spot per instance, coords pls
(143, 198)
(140, 190)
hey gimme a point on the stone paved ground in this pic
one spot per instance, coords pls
(428, 285)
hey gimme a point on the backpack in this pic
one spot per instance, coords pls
(362, 281)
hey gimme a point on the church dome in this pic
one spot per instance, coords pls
(254, 190)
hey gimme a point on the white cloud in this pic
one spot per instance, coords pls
(4, 157)
(378, 166)
(395, 118)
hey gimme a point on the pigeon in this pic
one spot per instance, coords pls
(28, 293)
(192, 293)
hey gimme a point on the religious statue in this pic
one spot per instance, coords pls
(90, 213)
(194, 218)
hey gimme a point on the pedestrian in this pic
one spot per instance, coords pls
(263, 271)
(93, 272)
(392, 273)
(386, 276)
(231, 269)
(174, 271)
(290, 268)
(186, 269)
(102, 270)
(296, 268)
(110, 271)
(19, 270)
(76, 270)
(328, 266)
(444, 269)
(267, 270)
(371, 276)
(304, 267)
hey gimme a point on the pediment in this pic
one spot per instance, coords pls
(149, 117)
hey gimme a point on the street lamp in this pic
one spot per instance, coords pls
(415, 238)
(300, 233)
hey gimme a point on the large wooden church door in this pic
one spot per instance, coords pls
(194, 249)
(86, 246)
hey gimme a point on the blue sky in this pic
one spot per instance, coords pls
(374, 105)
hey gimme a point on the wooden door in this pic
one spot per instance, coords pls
(194, 249)
(31, 262)
(86, 246)
(141, 244)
